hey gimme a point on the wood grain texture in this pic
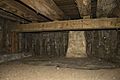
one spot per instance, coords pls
(20, 10)
(106, 23)
(45, 7)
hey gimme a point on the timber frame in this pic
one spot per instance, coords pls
(82, 24)
(54, 15)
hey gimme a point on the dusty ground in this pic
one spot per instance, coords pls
(26, 70)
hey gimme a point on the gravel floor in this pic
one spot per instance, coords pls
(22, 70)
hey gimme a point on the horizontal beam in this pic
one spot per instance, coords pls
(20, 10)
(82, 24)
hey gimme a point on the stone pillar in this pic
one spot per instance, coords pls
(76, 44)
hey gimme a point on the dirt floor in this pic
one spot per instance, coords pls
(59, 69)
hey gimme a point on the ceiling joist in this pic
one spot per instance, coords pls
(47, 8)
(18, 9)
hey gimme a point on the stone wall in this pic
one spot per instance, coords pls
(103, 44)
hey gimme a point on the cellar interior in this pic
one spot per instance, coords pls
(59, 40)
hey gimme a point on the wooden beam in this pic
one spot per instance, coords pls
(18, 9)
(12, 17)
(84, 7)
(83, 24)
(47, 8)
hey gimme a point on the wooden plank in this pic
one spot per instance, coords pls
(47, 8)
(84, 7)
(82, 24)
(12, 17)
(18, 9)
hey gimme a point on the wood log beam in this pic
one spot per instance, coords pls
(82, 24)
(47, 8)
(21, 10)
(12, 17)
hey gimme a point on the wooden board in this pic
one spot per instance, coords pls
(82, 24)
(20, 10)
(45, 7)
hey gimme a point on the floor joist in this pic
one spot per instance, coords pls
(82, 24)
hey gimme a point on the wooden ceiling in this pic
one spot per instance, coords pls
(69, 7)
(52, 10)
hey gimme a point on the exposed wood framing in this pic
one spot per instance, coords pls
(47, 8)
(12, 17)
(103, 23)
(20, 10)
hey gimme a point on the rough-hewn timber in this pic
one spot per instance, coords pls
(18, 9)
(108, 23)
(47, 8)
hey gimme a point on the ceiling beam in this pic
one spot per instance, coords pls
(47, 8)
(21, 10)
(12, 17)
(82, 24)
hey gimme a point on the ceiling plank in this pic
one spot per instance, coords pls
(82, 24)
(47, 8)
(20, 10)
(12, 17)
